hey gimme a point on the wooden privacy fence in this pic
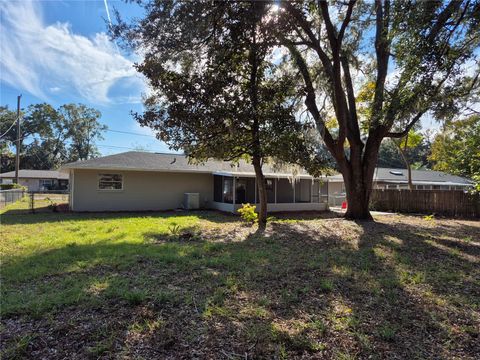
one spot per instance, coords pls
(440, 202)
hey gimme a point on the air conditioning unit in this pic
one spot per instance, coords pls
(191, 201)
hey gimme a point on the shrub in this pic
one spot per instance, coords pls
(174, 229)
(12, 186)
(247, 212)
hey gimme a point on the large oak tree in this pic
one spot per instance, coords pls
(422, 57)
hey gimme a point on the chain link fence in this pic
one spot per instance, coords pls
(35, 202)
(10, 196)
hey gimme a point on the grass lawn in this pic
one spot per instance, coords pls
(204, 285)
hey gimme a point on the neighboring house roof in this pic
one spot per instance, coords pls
(143, 161)
(35, 174)
(419, 177)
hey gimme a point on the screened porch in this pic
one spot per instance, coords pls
(302, 194)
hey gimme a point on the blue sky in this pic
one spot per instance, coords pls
(58, 52)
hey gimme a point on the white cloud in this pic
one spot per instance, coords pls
(37, 57)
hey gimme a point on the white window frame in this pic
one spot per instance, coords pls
(122, 182)
(44, 183)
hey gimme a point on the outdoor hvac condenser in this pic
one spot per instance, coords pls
(191, 201)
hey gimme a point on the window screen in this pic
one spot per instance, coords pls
(217, 188)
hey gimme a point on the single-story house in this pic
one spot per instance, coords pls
(37, 180)
(136, 181)
(386, 178)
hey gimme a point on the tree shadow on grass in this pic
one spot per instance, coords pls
(332, 289)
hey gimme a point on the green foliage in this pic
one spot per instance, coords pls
(174, 229)
(248, 214)
(476, 186)
(60, 135)
(456, 149)
(387, 332)
(390, 157)
(12, 186)
(326, 285)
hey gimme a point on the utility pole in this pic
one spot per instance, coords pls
(19, 135)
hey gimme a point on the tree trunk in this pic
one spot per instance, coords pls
(262, 192)
(358, 199)
(407, 164)
(358, 174)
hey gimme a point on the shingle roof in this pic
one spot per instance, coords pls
(385, 174)
(36, 174)
(418, 177)
(143, 161)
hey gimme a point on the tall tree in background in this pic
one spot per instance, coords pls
(83, 129)
(217, 92)
(409, 142)
(389, 156)
(51, 137)
(456, 149)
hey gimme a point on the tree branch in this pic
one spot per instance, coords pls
(398, 135)
(352, 121)
(314, 41)
(331, 31)
(382, 53)
(310, 101)
(346, 21)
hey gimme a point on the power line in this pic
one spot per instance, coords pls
(11, 126)
(130, 133)
(122, 147)
(99, 145)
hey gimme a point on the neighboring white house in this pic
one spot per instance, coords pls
(37, 180)
(136, 181)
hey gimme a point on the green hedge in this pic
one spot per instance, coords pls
(12, 186)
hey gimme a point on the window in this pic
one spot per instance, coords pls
(420, 187)
(45, 184)
(110, 182)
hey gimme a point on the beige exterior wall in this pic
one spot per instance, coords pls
(142, 190)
